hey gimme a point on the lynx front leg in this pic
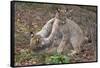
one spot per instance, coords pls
(61, 47)
(55, 30)
(63, 43)
(53, 34)
(47, 28)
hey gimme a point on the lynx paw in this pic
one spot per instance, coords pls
(73, 52)
(59, 51)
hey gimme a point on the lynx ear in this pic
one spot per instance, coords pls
(70, 11)
(65, 11)
(58, 10)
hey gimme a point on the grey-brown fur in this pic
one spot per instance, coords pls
(63, 29)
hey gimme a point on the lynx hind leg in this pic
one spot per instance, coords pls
(76, 43)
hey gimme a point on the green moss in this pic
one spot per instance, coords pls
(57, 59)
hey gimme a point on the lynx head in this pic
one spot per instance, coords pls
(62, 12)
(35, 41)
